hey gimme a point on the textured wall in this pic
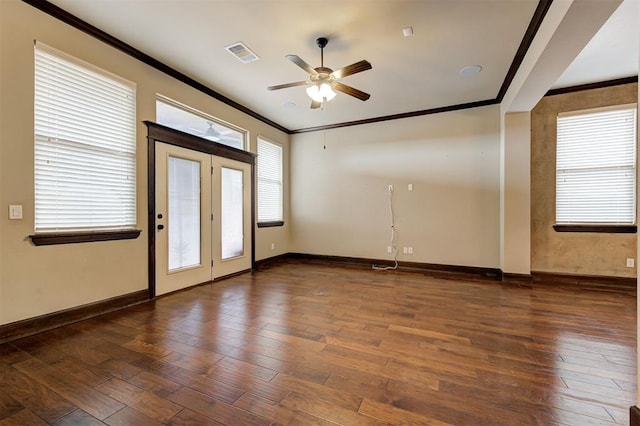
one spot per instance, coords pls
(580, 253)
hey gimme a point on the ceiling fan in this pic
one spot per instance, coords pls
(323, 81)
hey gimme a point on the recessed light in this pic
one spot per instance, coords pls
(289, 105)
(470, 70)
(407, 31)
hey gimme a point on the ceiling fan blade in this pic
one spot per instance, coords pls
(302, 64)
(351, 91)
(315, 104)
(284, 86)
(352, 69)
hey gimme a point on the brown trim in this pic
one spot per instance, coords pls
(520, 279)
(590, 86)
(54, 238)
(595, 281)
(398, 116)
(253, 215)
(262, 263)
(270, 224)
(110, 40)
(151, 213)
(234, 274)
(634, 416)
(170, 136)
(604, 229)
(167, 135)
(31, 326)
(439, 270)
(74, 21)
(529, 35)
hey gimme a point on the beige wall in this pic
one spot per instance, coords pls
(40, 280)
(339, 179)
(516, 196)
(580, 253)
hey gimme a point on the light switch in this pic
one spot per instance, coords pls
(15, 212)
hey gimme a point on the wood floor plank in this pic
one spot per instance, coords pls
(78, 417)
(22, 418)
(39, 399)
(129, 416)
(191, 418)
(93, 402)
(278, 413)
(216, 410)
(315, 343)
(395, 416)
(149, 404)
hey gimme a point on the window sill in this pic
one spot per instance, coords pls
(605, 229)
(82, 237)
(270, 224)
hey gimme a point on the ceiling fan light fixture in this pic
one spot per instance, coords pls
(322, 92)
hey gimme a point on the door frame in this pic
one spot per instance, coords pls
(159, 133)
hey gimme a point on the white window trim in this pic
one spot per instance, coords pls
(589, 217)
(271, 220)
(127, 222)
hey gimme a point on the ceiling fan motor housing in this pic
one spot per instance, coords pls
(322, 42)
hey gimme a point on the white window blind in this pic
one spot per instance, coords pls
(85, 146)
(269, 181)
(596, 166)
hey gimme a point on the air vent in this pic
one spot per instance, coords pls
(242, 52)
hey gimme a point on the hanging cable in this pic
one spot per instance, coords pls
(394, 236)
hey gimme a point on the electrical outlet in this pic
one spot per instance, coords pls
(405, 250)
(389, 249)
(273, 246)
(390, 188)
(410, 250)
(410, 187)
(630, 262)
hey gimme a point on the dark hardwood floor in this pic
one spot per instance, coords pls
(309, 343)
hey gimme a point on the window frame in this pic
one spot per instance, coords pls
(208, 117)
(600, 227)
(273, 222)
(80, 233)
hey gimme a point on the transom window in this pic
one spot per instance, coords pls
(189, 120)
(596, 166)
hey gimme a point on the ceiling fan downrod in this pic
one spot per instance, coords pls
(322, 42)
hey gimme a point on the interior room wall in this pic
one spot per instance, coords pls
(45, 279)
(569, 252)
(339, 181)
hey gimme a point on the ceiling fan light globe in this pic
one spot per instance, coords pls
(321, 92)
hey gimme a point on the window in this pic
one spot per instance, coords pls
(269, 183)
(181, 117)
(596, 166)
(85, 147)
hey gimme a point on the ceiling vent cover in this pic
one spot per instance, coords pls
(242, 52)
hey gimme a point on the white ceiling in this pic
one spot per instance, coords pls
(409, 73)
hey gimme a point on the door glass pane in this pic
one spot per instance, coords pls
(232, 217)
(184, 213)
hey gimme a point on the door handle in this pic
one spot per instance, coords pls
(160, 227)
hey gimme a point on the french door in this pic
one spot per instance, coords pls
(202, 217)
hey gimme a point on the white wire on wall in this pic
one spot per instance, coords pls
(394, 236)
